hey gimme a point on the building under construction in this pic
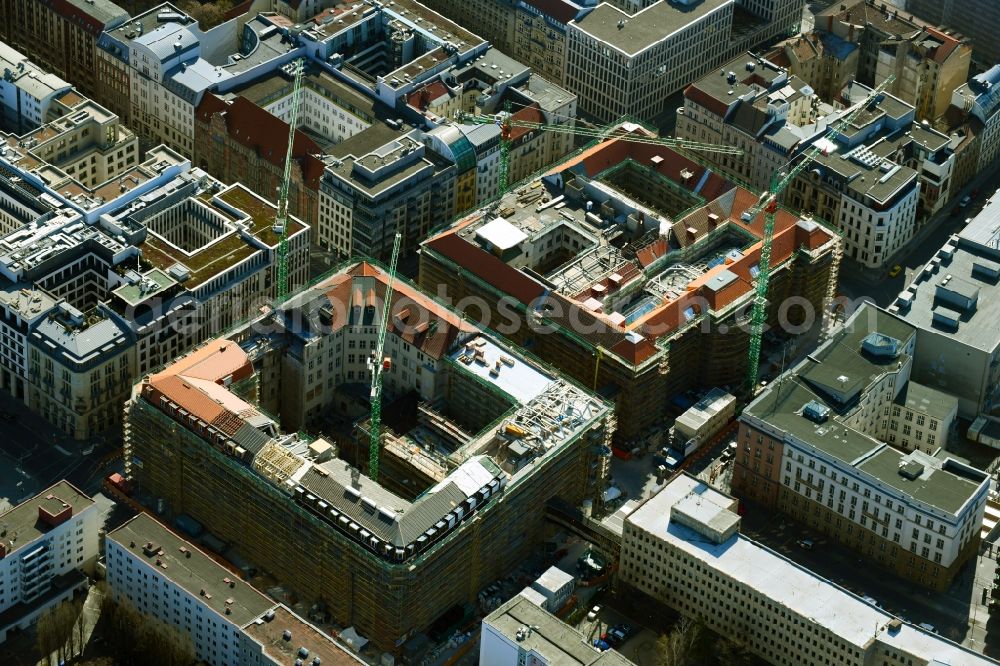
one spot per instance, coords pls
(632, 269)
(478, 438)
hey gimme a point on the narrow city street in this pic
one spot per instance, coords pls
(856, 283)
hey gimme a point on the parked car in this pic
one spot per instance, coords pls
(872, 601)
(805, 544)
(926, 626)
(965, 201)
(601, 645)
(594, 612)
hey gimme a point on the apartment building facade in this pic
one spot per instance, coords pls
(682, 547)
(47, 542)
(980, 98)
(540, 33)
(816, 451)
(27, 92)
(972, 18)
(822, 59)
(927, 63)
(171, 64)
(873, 180)
(61, 36)
(230, 141)
(922, 418)
(229, 622)
(398, 187)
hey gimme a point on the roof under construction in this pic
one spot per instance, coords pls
(537, 411)
(593, 230)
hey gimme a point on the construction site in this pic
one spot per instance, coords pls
(634, 269)
(477, 438)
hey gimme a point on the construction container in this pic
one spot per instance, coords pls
(556, 586)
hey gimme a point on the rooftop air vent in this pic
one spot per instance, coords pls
(816, 412)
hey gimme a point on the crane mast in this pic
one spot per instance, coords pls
(280, 226)
(379, 363)
(768, 203)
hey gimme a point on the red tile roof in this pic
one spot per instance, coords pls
(706, 101)
(664, 160)
(256, 128)
(421, 98)
(429, 326)
(531, 114)
(652, 252)
(487, 267)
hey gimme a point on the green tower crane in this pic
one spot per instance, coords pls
(768, 203)
(280, 226)
(378, 364)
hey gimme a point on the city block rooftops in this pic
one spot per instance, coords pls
(747, 78)
(35, 517)
(535, 630)
(185, 565)
(782, 581)
(956, 293)
(811, 401)
(196, 59)
(242, 220)
(399, 160)
(55, 189)
(634, 33)
(499, 248)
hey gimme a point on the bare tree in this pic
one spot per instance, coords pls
(81, 626)
(687, 644)
(65, 619)
(44, 636)
(143, 640)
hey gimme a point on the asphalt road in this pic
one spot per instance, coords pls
(33, 456)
